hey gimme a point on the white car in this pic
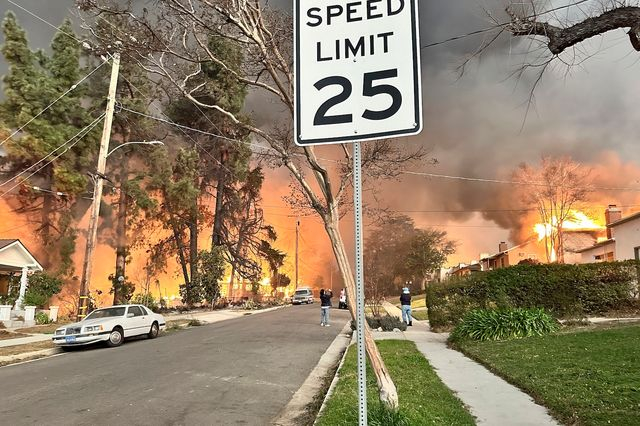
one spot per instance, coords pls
(111, 325)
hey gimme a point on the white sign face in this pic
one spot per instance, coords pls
(357, 70)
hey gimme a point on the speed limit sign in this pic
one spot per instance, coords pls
(357, 70)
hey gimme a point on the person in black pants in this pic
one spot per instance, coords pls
(325, 305)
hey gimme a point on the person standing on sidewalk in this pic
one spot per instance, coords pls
(405, 301)
(325, 305)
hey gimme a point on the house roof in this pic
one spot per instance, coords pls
(624, 220)
(5, 243)
(8, 243)
(493, 256)
(597, 245)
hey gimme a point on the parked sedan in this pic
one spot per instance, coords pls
(111, 325)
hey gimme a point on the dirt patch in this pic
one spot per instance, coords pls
(41, 329)
(6, 335)
(20, 349)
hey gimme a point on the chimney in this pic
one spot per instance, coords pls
(612, 214)
(502, 246)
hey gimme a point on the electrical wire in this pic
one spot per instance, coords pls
(72, 88)
(81, 134)
(49, 154)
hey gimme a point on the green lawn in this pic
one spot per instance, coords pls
(424, 400)
(585, 377)
(420, 315)
(417, 300)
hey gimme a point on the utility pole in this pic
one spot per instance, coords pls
(297, 237)
(92, 235)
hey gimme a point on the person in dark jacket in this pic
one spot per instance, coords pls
(405, 301)
(325, 305)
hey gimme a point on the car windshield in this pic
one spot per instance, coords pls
(302, 292)
(106, 313)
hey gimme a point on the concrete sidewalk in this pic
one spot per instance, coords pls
(34, 338)
(489, 398)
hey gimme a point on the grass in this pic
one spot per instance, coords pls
(6, 335)
(417, 301)
(424, 400)
(585, 377)
(420, 315)
(42, 329)
(20, 349)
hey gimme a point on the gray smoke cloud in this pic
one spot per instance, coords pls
(474, 124)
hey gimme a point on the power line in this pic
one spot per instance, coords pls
(496, 26)
(49, 154)
(72, 88)
(507, 182)
(44, 20)
(78, 138)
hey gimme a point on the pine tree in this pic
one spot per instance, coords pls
(34, 81)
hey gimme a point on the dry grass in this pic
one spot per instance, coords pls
(20, 349)
(6, 335)
(42, 329)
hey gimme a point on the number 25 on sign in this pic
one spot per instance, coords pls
(357, 70)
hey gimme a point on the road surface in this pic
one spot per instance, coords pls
(236, 372)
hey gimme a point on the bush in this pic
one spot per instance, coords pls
(386, 322)
(503, 324)
(564, 290)
(146, 300)
(41, 287)
(42, 318)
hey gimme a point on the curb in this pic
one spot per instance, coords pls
(335, 379)
(312, 385)
(28, 356)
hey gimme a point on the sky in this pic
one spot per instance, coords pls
(477, 125)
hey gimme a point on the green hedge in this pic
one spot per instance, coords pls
(564, 290)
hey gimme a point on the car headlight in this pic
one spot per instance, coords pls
(60, 332)
(93, 328)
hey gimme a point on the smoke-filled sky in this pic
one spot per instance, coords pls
(474, 124)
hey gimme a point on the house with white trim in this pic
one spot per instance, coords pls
(623, 239)
(15, 260)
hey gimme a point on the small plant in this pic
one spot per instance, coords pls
(42, 318)
(502, 324)
(382, 416)
(194, 323)
(386, 322)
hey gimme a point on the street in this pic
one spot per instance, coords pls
(236, 372)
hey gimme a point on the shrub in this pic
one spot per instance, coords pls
(194, 323)
(386, 322)
(42, 318)
(564, 290)
(41, 287)
(146, 300)
(503, 324)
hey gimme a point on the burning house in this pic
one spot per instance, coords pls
(622, 239)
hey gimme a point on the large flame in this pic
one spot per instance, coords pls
(577, 221)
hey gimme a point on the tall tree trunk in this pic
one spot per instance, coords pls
(388, 392)
(45, 216)
(193, 247)
(121, 233)
(181, 250)
(216, 237)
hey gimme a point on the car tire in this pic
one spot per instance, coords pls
(155, 330)
(116, 337)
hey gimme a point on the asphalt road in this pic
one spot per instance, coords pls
(236, 372)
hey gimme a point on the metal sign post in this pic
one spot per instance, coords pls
(357, 78)
(357, 212)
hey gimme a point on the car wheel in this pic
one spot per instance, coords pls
(155, 330)
(115, 338)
